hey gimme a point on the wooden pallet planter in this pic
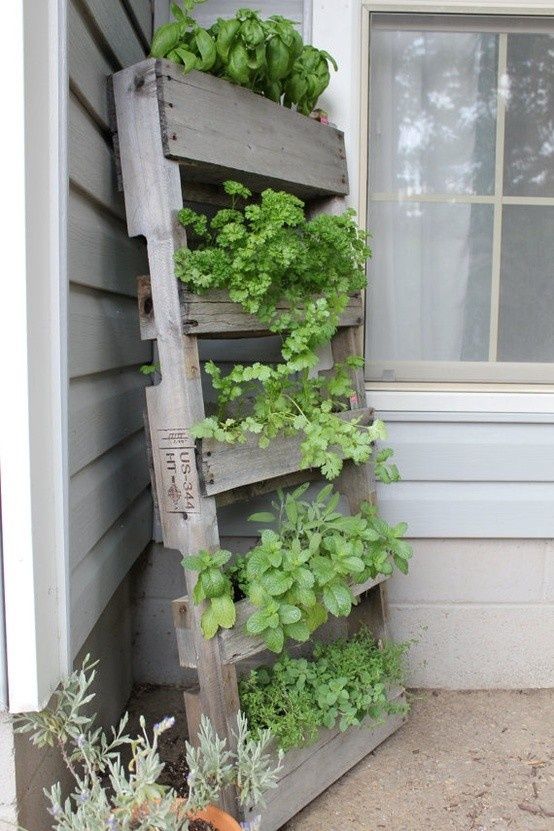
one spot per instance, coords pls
(177, 136)
(214, 315)
(237, 645)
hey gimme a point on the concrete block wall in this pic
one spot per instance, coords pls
(480, 613)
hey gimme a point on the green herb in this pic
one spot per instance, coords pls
(111, 792)
(266, 56)
(266, 255)
(300, 573)
(344, 683)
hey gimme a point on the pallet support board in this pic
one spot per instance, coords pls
(167, 139)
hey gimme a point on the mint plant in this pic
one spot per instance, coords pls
(266, 56)
(304, 570)
(342, 684)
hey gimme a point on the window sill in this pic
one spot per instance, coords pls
(462, 402)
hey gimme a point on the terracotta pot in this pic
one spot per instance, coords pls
(218, 818)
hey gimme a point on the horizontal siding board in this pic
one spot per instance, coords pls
(103, 411)
(473, 452)
(477, 509)
(91, 160)
(142, 12)
(97, 576)
(100, 254)
(115, 28)
(88, 68)
(100, 492)
(103, 332)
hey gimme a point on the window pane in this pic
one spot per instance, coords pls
(433, 111)
(430, 282)
(529, 143)
(526, 324)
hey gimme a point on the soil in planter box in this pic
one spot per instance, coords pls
(201, 825)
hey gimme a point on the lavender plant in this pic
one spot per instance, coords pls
(110, 795)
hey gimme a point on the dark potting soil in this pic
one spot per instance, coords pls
(201, 825)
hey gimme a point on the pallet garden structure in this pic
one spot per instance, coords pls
(177, 138)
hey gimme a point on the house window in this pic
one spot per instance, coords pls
(461, 199)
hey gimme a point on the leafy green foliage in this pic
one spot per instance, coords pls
(214, 587)
(300, 573)
(266, 56)
(295, 275)
(344, 683)
(110, 794)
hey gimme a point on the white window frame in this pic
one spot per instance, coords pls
(343, 29)
(33, 416)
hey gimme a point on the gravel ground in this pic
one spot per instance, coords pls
(465, 761)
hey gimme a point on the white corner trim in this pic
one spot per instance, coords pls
(33, 418)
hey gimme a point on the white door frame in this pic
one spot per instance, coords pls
(33, 416)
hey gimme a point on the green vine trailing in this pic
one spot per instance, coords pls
(266, 56)
(295, 275)
(301, 572)
(343, 683)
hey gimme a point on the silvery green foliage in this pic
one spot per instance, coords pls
(250, 768)
(112, 796)
(255, 771)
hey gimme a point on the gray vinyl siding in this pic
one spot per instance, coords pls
(110, 505)
(210, 11)
(486, 475)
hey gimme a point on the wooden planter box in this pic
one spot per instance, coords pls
(236, 643)
(177, 138)
(214, 315)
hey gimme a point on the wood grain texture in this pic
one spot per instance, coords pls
(223, 466)
(152, 188)
(217, 130)
(309, 771)
(214, 314)
(236, 644)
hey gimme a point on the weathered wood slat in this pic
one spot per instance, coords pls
(225, 467)
(214, 314)
(309, 771)
(217, 130)
(236, 644)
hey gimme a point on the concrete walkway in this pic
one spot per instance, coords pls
(465, 761)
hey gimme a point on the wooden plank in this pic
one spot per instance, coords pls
(110, 20)
(249, 492)
(103, 333)
(309, 771)
(103, 411)
(214, 314)
(88, 68)
(100, 254)
(153, 195)
(222, 465)
(102, 491)
(91, 161)
(236, 644)
(217, 130)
